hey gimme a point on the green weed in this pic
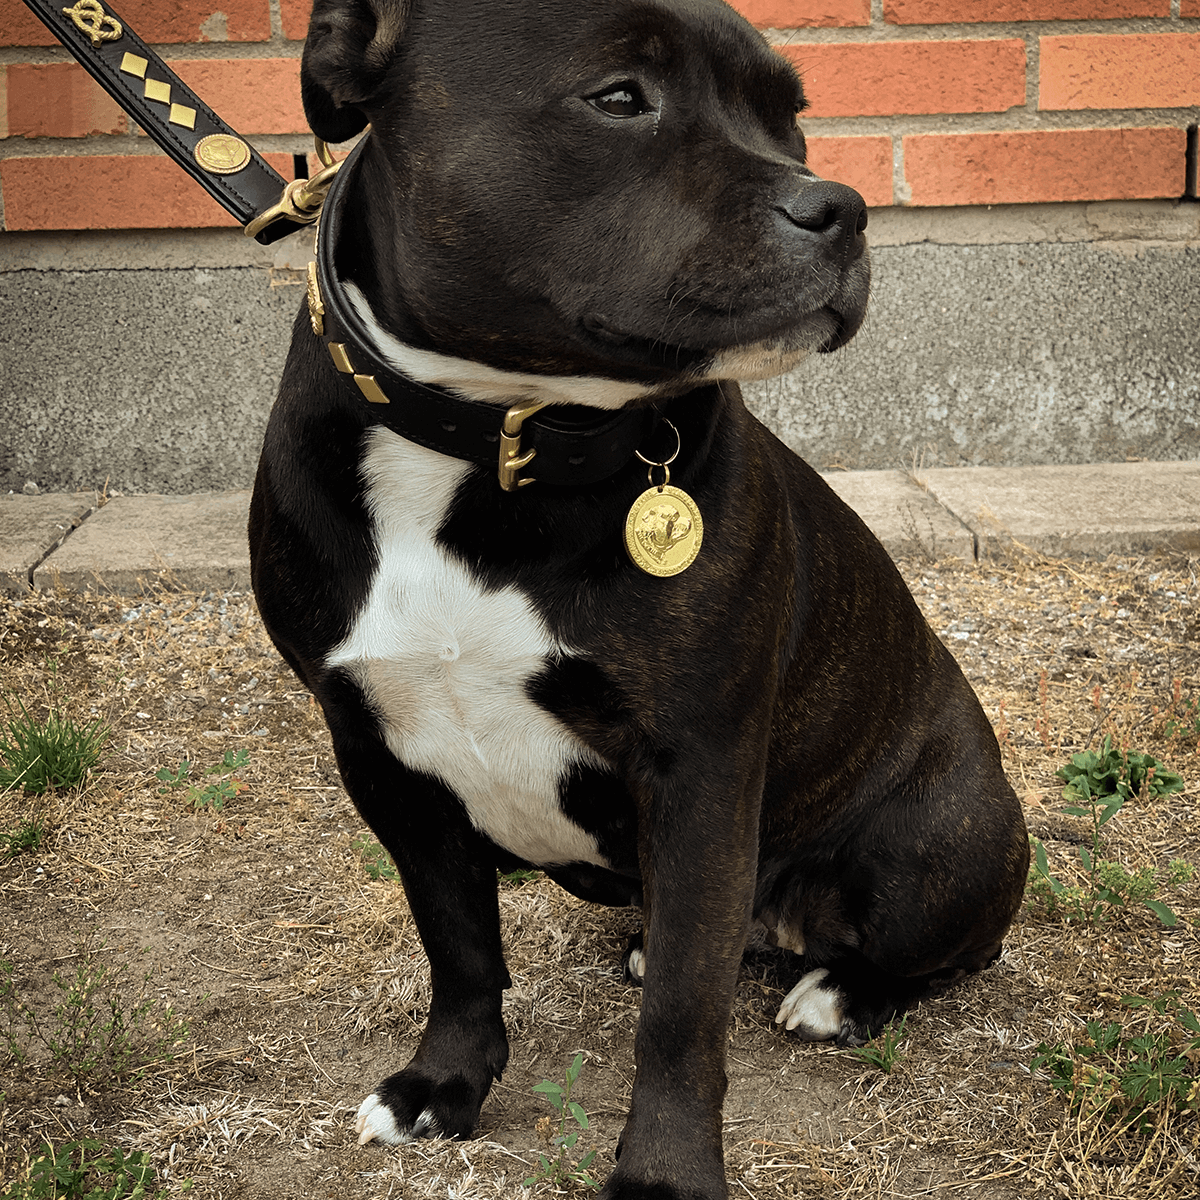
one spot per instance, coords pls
(215, 794)
(57, 752)
(883, 1051)
(93, 1033)
(1123, 1077)
(557, 1170)
(376, 861)
(87, 1170)
(1097, 786)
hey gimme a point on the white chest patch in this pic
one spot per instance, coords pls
(446, 663)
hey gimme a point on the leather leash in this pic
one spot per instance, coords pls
(210, 151)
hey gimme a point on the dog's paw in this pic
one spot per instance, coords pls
(812, 1011)
(409, 1105)
(633, 964)
(375, 1122)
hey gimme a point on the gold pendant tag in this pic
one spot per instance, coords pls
(663, 531)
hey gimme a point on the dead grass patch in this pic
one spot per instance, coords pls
(304, 981)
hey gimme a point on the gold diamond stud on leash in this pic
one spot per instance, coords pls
(664, 529)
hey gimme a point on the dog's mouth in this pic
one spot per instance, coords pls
(822, 331)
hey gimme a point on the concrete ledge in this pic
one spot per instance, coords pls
(139, 543)
(136, 543)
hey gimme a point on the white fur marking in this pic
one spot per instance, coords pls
(476, 381)
(818, 1009)
(446, 664)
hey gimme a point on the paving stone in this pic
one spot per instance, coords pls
(30, 527)
(136, 543)
(1098, 508)
(903, 516)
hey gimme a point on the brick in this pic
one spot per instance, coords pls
(800, 14)
(59, 100)
(3, 101)
(889, 78)
(1141, 70)
(295, 14)
(1056, 165)
(254, 95)
(865, 163)
(145, 191)
(938, 12)
(19, 27)
(1189, 8)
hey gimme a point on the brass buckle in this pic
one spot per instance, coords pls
(512, 457)
(302, 199)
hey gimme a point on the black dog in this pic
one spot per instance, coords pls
(569, 225)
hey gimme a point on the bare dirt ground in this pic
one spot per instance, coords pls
(302, 981)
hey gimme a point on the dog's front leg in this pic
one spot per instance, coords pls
(450, 881)
(698, 845)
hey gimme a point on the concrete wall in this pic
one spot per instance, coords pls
(1020, 335)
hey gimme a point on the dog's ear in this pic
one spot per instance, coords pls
(346, 55)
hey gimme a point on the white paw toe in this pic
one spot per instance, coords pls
(636, 966)
(815, 1010)
(375, 1122)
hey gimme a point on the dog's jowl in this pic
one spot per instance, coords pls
(564, 602)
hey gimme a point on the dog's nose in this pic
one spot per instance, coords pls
(832, 210)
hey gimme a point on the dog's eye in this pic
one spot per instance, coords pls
(624, 100)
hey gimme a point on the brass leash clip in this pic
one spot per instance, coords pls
(302, 199)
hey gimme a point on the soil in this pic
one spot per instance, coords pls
(264, 920)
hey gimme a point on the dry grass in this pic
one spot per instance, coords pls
(304, 981)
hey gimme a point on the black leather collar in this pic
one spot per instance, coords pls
(566, 445)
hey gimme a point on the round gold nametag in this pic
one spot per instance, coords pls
(222, 154)
(663, 531)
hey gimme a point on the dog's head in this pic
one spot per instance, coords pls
(587, 187)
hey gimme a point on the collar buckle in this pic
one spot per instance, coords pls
(513, 458)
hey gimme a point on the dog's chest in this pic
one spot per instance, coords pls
(446, 664)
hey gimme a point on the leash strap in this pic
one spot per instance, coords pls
(564, 445)
(211, 152)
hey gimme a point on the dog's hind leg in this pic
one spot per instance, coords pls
(850, 999)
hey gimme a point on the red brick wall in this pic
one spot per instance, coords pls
(922, 102)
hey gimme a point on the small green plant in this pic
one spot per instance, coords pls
(1097, 786)
(57, 752)
(214, 794)
(94, 1032)
(87, 1170)
(558, 1170)
(518, 877)
(376, 861)
(883, 1051)
(1125, 1077)
(27, 837)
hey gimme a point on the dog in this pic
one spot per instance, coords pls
(563, 601)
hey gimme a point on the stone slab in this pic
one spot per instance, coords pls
(137, 543)
(1102, 508)
(30, 528)
(903, 516)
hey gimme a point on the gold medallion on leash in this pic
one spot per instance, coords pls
(663, 530)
